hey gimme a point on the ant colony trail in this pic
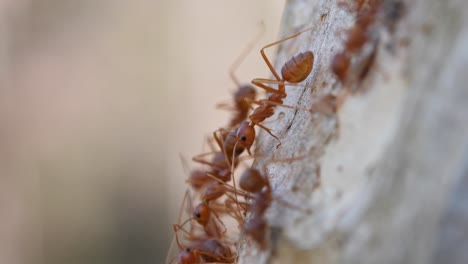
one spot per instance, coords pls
(227, 199)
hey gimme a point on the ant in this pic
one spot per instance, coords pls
(252, 181)
(201, 247)
(358, 35)
(221, 163)
(207, 208)
(294, 71)
(258, 185)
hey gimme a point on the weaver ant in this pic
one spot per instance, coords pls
(202, 250)
(199, 248)
(294, 71)
(357, 36)
(221, 163)
(258, 185)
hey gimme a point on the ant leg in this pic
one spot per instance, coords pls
(277, 104)
(186, 204)
(177, 227)
(225, 106)
(233, 178)
(219, 232)
(278, 199)
(244, 205)
(228, 187)
(220, 142)
(271, 134)
(231, 162)
(265, 58)
(244, 53)
(177, 237)
(257, 82)
(269, 81)
(234, 213)
(210, 143)
(185, 166)
(288, 204)
(199, 159)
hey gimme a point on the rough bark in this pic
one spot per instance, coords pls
(393, 160)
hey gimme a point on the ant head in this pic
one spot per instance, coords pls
(229, 144)
(251, 181)
(202, 213)
(246, 135)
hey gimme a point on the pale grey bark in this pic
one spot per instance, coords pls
(393, 161)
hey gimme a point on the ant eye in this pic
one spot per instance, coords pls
(187, 249)
(243, 138)
(197, 215)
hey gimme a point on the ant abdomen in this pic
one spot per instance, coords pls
(296, 69)
(213, 192)
(251, 181)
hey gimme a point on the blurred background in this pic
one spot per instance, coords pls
(97, 101)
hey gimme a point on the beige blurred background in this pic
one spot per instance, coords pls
(97, 100)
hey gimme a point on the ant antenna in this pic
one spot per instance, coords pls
(244, 53)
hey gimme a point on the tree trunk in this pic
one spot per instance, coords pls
(393, 160)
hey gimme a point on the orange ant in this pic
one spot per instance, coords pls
(253, 182)
(357, 37)
(204, 211)
(221, 166)
(201, 247)
(294, 71)
(259, 186)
